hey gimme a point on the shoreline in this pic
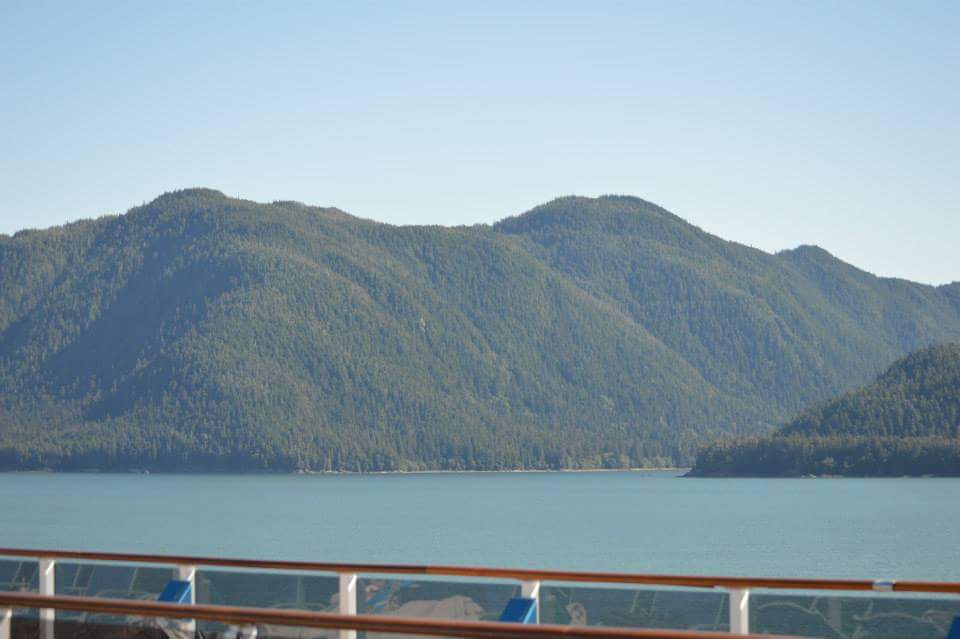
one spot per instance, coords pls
(140, 471)
(464, 472)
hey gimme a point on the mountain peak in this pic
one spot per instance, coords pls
(616, 213)
(808, 250)
(189, 194)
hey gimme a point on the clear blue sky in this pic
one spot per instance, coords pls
(773, 124)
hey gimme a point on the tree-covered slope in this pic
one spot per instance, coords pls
(777, 331)
(200, 331)
(204, 332)
(918, 396)
(906, 423)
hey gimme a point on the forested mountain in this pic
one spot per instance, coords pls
(777, 331)
(906, 423)
(204, 332)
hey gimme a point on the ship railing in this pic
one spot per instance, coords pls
(247, 620)
(738, 589)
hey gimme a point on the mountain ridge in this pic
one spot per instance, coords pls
(200, 331)
(297, 204)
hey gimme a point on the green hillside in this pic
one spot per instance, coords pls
(778, 331)
(204, 332)
(906, 423)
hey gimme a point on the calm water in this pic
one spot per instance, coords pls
(650, 522)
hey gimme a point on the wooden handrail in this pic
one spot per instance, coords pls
(370, 623)
(694, 581)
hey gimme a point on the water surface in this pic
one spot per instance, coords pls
(631, 521)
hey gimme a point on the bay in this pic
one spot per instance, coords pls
(652, 522)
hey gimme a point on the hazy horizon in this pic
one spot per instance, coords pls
(773, 125)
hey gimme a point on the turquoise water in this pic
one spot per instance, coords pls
(640, 521)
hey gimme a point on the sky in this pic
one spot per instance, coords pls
(769, 123)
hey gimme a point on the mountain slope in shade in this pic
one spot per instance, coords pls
(204, 332)
(906, 423)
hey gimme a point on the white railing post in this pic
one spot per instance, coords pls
(189, 574)
(348, 600)
(531, 590)
(48, 589)
(6, 615)
(739, 611)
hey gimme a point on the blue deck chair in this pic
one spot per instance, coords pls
(520, 610)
